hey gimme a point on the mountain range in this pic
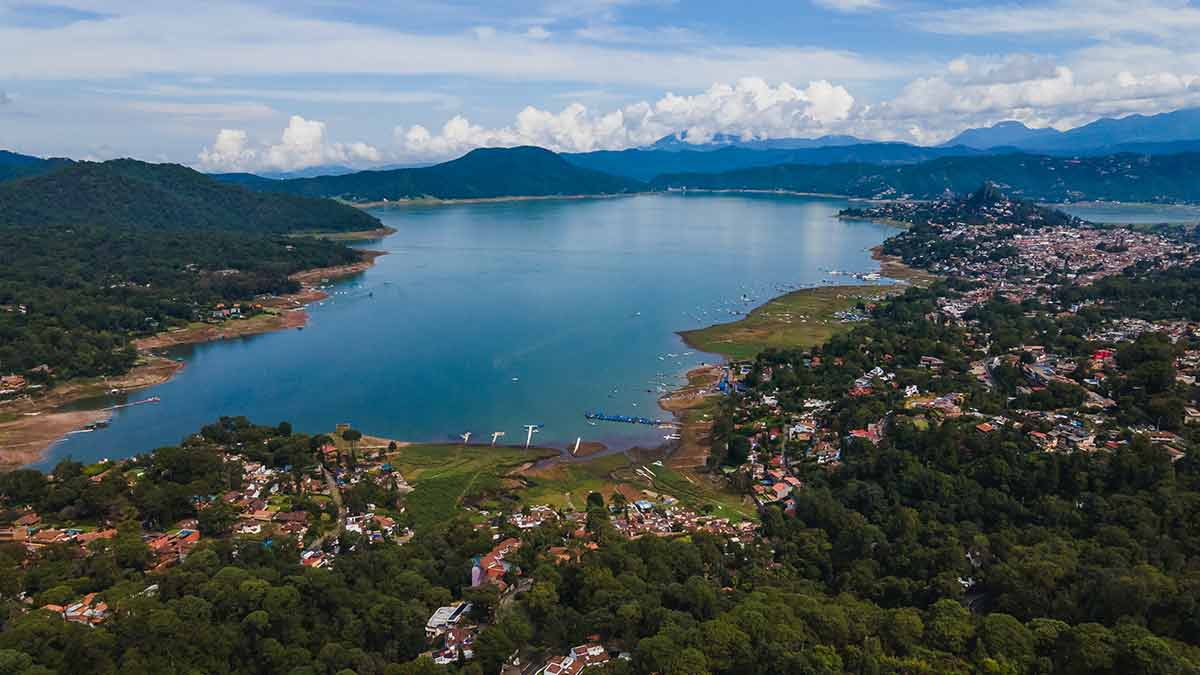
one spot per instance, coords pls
(1098, 137)
(1136, 158)
(1121, 177)
(480, 174)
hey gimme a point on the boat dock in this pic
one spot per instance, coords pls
(628, 419)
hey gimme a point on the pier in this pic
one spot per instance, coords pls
(628, 419)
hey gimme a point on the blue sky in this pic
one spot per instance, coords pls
(282, 85)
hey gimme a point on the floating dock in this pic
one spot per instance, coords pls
(628, 419)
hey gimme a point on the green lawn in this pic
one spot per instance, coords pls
(802, 318)
(568, 486)
(443, 475)
(697, 493)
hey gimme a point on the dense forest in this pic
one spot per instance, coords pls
(95, 254)
(15, 165)
(1082, 562)
(1123, 177)
(128, 193)
(480, 174)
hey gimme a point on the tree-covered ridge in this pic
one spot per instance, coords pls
(480, 174)
(128, 193)
(1121, 177)
(96, 254)
(73, 297)
(14, 165)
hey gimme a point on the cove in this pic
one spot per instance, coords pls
(485, 317)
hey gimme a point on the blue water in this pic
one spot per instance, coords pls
(1134, 214)
(578, 300)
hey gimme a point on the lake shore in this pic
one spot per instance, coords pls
(801, 318)
(433, 201)
(30, 426)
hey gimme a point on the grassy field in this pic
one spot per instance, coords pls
(567, 486)
(443, 475)
(802, 318)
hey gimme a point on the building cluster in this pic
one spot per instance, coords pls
(1006, 249)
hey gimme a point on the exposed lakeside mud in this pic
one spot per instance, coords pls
(30, 425)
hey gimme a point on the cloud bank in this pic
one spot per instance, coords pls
(303, 144)
(750, 109)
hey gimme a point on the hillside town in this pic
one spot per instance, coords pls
(999, 256)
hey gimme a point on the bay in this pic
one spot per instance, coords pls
(485, 317)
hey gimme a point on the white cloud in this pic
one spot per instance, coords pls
(1096, 18)
(174, 38)
(751, 108)
(210, 111)
(849, 5)
(302, 144)
(537, 33)
(974, 92)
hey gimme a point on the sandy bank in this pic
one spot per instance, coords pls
(30, 426)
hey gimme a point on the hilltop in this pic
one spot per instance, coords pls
(129, 193)
(15, 165)
(486, 173)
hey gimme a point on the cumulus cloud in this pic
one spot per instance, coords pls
(1031, 90)
(303, 144)
(750, 109)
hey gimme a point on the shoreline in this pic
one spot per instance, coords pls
(434, 201)
(30, 427)
(696, 395)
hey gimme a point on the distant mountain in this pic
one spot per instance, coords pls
(1180, 126)
(1124, 177)
(321, 170)
(480, 174)
(14, 165)
(1012, 134)
(128, 193)
(646, 164)
(679, 142)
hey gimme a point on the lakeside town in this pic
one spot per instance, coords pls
(1018, 344)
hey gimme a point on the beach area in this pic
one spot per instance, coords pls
(30, 425)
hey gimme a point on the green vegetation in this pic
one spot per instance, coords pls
(13, 165)
(803, 318)
(127, 193)
(96, 254)
(480, 174)
(1123, 177)
(444, 475)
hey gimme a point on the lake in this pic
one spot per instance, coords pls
(486, 317)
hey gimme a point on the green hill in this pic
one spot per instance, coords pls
(164, 196)
(94, 255)
(1123, 177)
(480, 174)
(14, 165)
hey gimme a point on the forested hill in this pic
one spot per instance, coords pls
(164, 196)
(94, 255)
(15, 165)
(1123, 177)
(480, 174)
